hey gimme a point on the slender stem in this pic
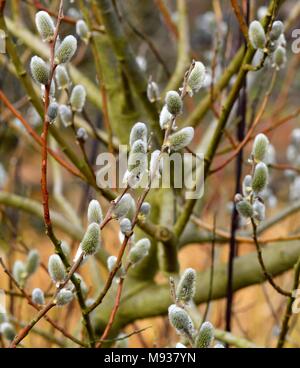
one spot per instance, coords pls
(262, 264)
(114, 310)
(288, 312)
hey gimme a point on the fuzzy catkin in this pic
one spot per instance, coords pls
(94, 212)
(180, 320)
(45, 26)
(279, 57)
(277, 30)
(165, 118)
(32, 262)
(77, 99)
(137, 161)
(64, 297)
(62, 77)
(152, 91)
(247, 185)
(125, 226)
(65, 114)
(244, 208)
(19, 272)
(181, 139)
(173, 102)
(8, 331)
(39, 70)
(257, 35)
(139, 251)
(66, 50)
(52, 111)
(145, 208)
(138, 132)
(260, 147)
(82, 30)
(205, 336)
(260, 177)
(196, 77)
(81, 134)
(185, 290)
(123, 206)
(56, 268)
(38, 296)
(91, 240)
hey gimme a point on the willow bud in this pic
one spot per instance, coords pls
(259, 210)
(173, 102)
(39, 70)
(91, 240)
(186, 287)
(123, 206)
(244, 208)
(247, 185)
(66, 50)
(38, 296)
(260, 177)
(145, 208)
(19, 272)
(125, 226)
(138, 132)
(65, 114)
(260, 147)
(139, 251)
(279, 57)
(77, 99)
(181, 139)
(81, 135)
(196, 77)
(152, 91)
(277, 30)
(111, 262)
(32, 262)
(257, 35)
(82, 30)
(8, 331)
(45, 26)
(56, 269)
(62, 77)
(165, 118)
(205, 336)
(52, 111)
(180, 320)
(137, 163)
(64, 297)
(94, 212)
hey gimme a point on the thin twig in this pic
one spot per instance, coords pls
(262, 264)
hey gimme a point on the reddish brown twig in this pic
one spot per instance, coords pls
(45, 194)
(36, 137)
(167, 18)
(238, 12)
(38, 308)
(114, 310)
